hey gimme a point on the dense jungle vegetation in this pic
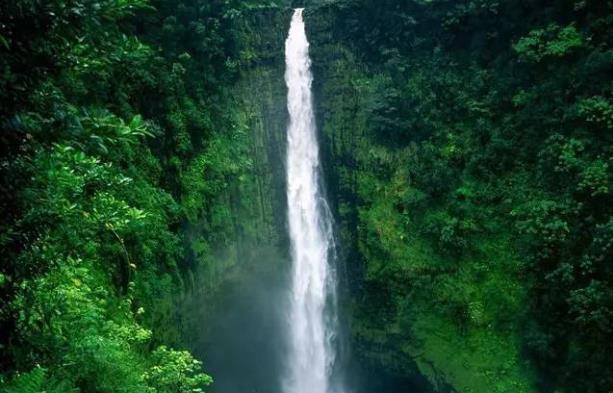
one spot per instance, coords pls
(119, 147)
(469, 151)
(468, 157)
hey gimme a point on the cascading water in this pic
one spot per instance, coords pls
(312, 310)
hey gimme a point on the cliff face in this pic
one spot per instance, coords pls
(253, 193)
(431, 292)
(234, 317)
(463, 208)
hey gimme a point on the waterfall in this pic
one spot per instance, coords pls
(312, 315)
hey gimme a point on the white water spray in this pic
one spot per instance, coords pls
(312, 309)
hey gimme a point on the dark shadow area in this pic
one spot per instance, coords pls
(243, 344)
(375, 380)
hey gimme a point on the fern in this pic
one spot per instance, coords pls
(30, 382)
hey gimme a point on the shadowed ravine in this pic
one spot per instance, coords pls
(273, 322)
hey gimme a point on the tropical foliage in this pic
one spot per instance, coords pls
(469, 151)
